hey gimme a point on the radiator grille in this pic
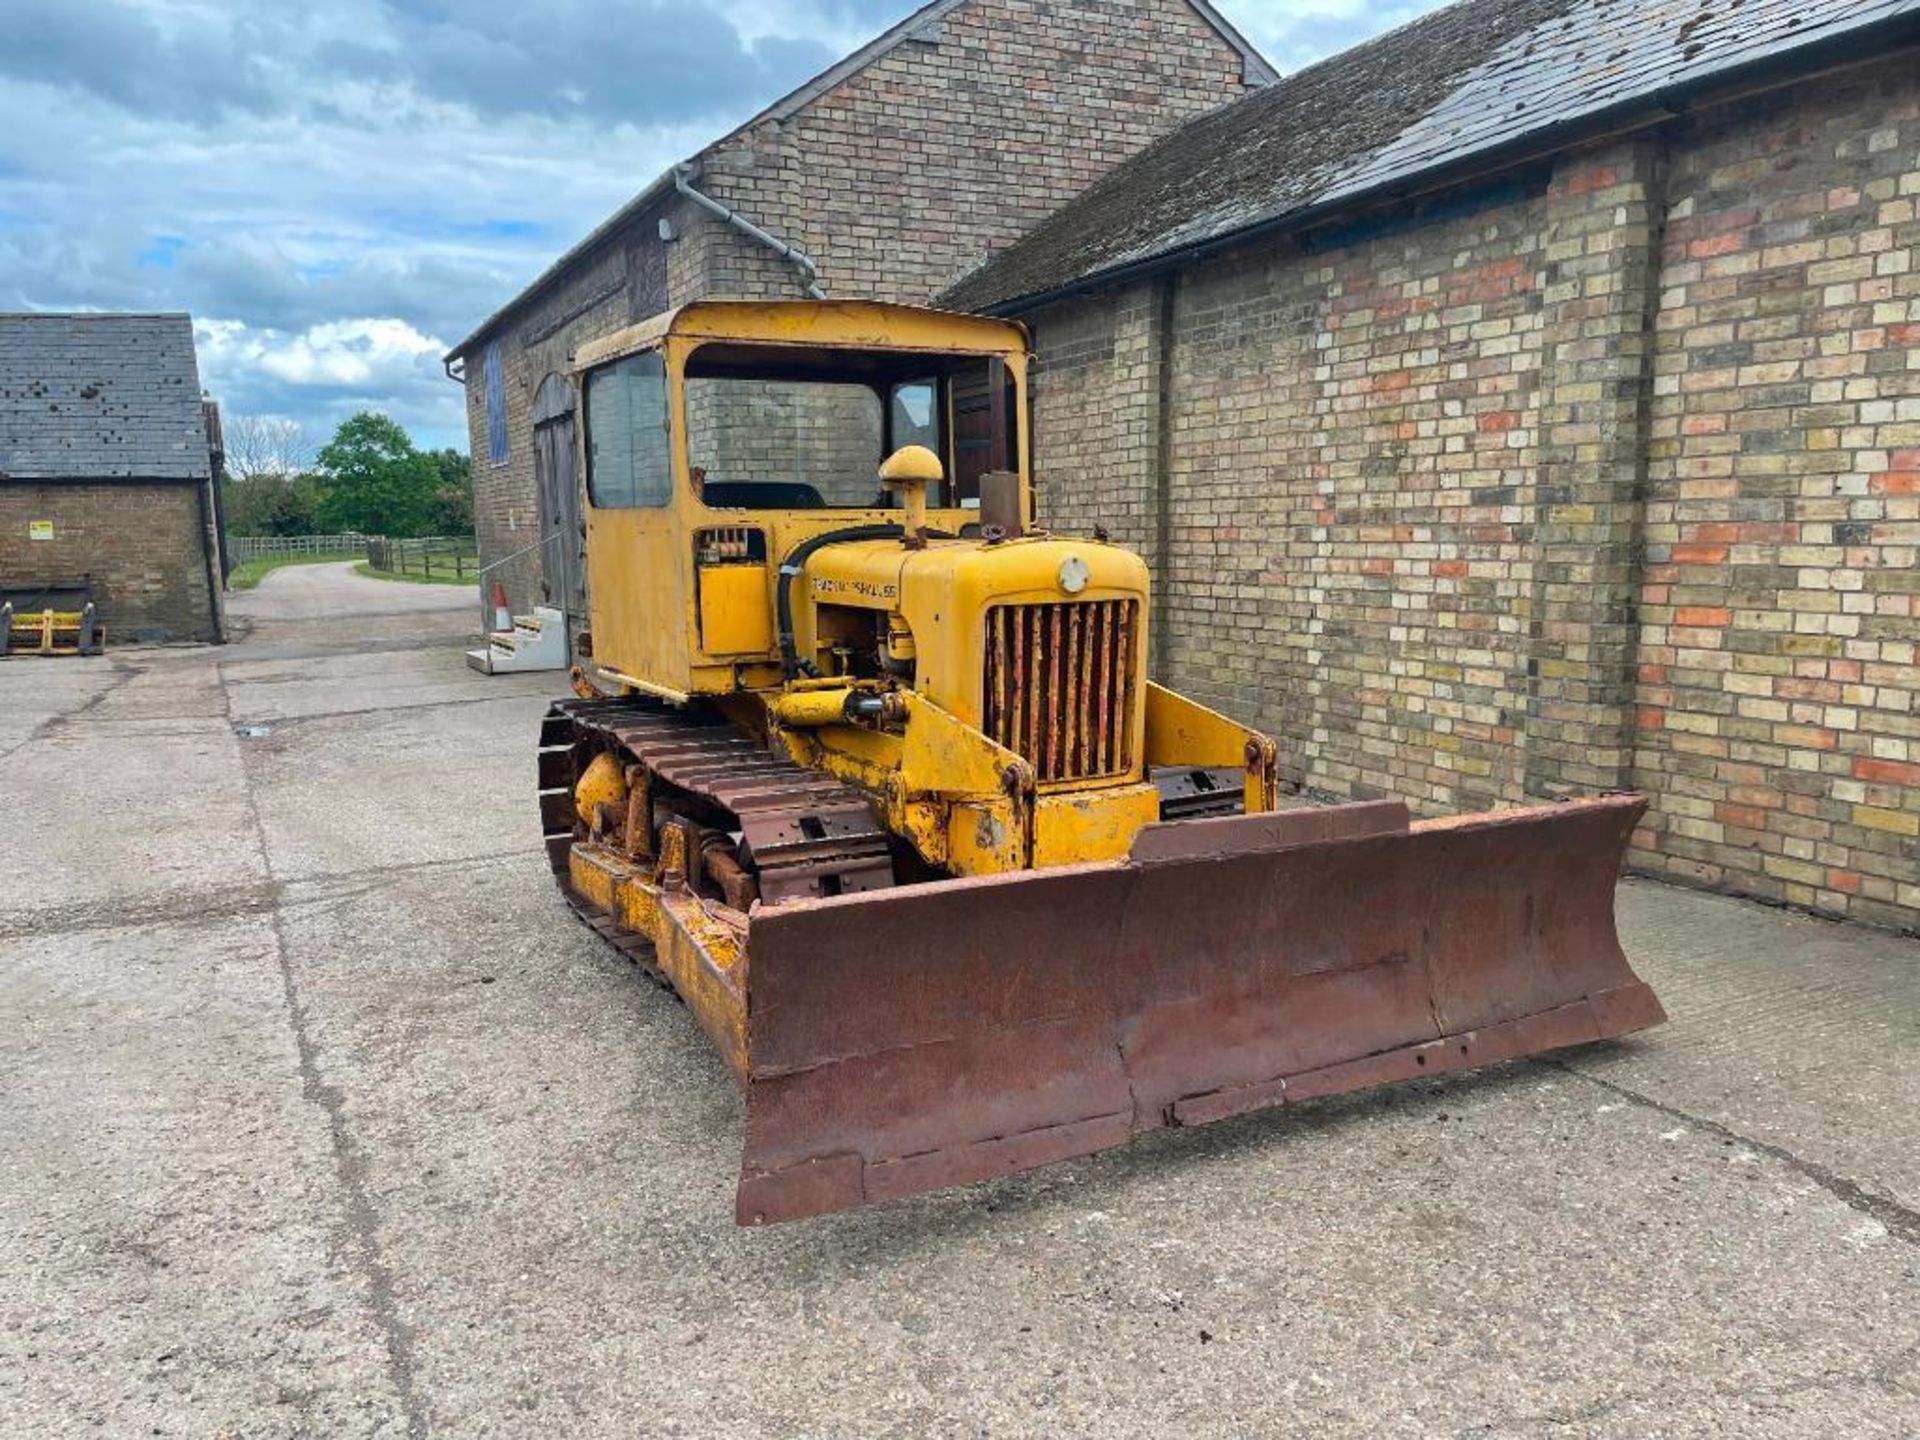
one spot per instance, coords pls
(1059, 686)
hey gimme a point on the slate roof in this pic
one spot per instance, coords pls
(90, 397)
(1472, 85)
(922, 25)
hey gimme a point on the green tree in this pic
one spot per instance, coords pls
(375, 481)
(453, 501)
(269, 504)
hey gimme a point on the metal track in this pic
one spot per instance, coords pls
(798, 833)
(1192, 794)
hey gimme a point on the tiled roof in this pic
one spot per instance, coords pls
(85, 397)
(1473, 81)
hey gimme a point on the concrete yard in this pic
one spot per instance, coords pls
(321, 1116)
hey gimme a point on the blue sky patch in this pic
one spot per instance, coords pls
(161, 252)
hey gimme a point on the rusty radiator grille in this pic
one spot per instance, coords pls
(1059, 686)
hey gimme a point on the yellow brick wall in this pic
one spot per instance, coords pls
(142, 544)
(1602, 476)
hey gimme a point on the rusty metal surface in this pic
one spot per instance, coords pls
(804, 833)
(1057, 686)
(1270, 830)
(931, 1035)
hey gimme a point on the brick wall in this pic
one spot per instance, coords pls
(1348, 470)
(1778, 674)
(896, 181)
(621, 284)
(1596, 477)
(1096, 417)
(915, 169)
(143, 545)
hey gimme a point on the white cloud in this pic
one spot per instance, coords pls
(339, 188)
(322, 374)
(367, 354)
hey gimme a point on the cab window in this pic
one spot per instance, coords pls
(629, 458)
(776, 427)
(778, 443)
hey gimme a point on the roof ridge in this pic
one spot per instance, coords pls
(1255, 70)
(845, 68)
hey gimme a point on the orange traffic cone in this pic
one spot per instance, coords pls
(502, 617)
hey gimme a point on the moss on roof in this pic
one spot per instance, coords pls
(1476, 79)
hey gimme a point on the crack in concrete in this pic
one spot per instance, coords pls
(1902, 1222)
(227, 902)
(360, 1219)
(280, 722)
(123, 672)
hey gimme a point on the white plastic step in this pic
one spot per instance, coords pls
(539, 644)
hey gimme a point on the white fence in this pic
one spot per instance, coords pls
(255, 547)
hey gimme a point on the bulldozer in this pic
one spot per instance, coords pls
(870, 769)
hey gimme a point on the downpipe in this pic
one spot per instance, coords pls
(799, 259)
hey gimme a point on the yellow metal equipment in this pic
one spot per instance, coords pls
(50, 632)
(871, 770)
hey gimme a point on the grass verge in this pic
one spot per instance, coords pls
(249, 573)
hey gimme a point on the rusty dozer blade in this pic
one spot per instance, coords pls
(916, 1038)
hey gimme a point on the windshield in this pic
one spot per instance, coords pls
(786, 444)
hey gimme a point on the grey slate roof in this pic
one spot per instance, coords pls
(1476, 82)
(88, 397)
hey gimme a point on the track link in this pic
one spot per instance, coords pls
(797, 833)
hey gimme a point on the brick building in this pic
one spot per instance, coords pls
(1527, 402)
(884, 177)
(107, 471)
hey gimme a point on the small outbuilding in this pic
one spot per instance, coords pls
(108, 459)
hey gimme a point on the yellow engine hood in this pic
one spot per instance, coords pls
(945, 591)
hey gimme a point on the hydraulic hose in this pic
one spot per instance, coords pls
(796, 561)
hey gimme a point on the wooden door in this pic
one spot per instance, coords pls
(563, 549)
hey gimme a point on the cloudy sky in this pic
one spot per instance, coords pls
(336, 190)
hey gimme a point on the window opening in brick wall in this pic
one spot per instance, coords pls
(496, 383)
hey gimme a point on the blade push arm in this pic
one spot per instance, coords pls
(1184, 734)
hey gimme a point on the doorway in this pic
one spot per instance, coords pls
(563, 537)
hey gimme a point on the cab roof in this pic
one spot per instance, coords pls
(829, 324)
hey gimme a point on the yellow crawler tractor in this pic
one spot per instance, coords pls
(870, 769)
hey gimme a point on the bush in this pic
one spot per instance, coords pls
(270, 504)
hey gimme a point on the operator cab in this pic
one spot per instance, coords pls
(720, 438)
